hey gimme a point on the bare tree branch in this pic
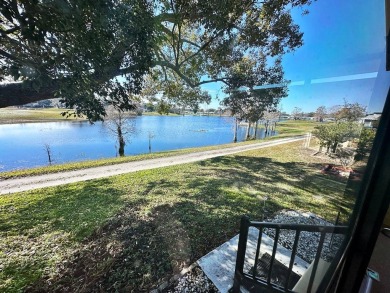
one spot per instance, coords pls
(166, 17)
(186, 78)
(202, 47)
(190, 42)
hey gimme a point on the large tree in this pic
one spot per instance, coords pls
(350, 112)
(244, 99)
(76, 49)
(347, 112)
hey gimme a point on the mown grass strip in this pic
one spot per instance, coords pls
(118, 160)
(13, 115)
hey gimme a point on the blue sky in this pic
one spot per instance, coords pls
(342, 57)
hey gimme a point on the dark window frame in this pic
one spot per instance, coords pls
(371, 207)
(366, 222)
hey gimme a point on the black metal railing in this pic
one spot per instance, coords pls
(250, 280)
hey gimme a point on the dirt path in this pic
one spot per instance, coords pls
(46, 180)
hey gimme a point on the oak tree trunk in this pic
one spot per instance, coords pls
(121, 142)
(247, 135)
(235, 130)
(256, 124)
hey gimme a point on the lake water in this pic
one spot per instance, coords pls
(23, 145)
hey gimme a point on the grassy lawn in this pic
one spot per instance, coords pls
(14, 115)
(295, 127)
(131, 232)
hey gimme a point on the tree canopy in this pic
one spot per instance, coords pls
(92, 52)
(331, 135)
(347, 112)
(320, 113)
(74, 49)
(364, 146)
(243, 99)
(297, 113)
(350, 112)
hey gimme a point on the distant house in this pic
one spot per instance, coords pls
(308, 118)
(330, 119)
(370, 120)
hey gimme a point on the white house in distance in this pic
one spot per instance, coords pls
(369, 120)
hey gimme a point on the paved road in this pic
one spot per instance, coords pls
(40, 181)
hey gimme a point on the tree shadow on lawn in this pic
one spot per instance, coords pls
(157, 186)
(38, 228)
(134, 251)
(299, 184)
(68, 208)
(126, 254)
(153, 247)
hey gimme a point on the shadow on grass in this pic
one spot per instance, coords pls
(136, 253)
(38, 228)
(125, 254)
(295, 185)
(66, 208)
(190, 213)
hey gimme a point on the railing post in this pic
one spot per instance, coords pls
(242, 240)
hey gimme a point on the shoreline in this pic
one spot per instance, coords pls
(23, 121)
(18, 184)
(33, 120)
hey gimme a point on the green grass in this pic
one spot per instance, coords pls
(295, 127)
(133, 231)
(14, 115)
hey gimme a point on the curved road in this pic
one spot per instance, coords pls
(46, 180)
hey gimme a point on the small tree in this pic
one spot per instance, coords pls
(364, 146)
(48, 152)
(150, 137)
(332, 111)
(150, 107)
(297, 113)
(332, 135)
(270, 118)
(320, 113)
(120, 124)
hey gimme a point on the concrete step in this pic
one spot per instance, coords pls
(219, 264)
